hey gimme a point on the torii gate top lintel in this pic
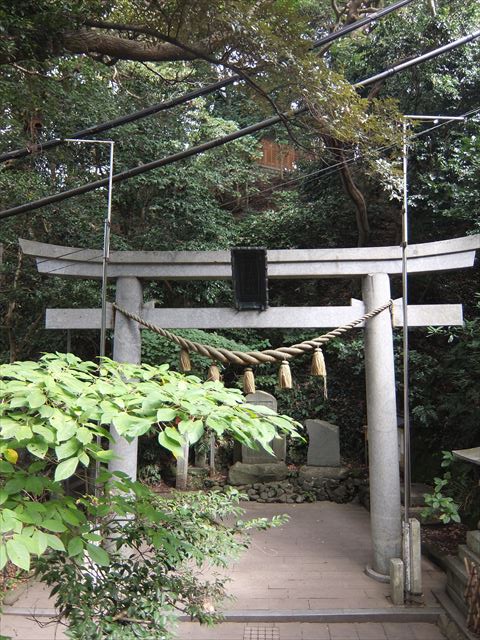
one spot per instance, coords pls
(282, 263)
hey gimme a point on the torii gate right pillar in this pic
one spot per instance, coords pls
(385, 509)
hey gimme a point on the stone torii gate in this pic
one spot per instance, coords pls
(373, 265)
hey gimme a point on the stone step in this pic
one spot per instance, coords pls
(416, 512)
(456, 581)
(458, 600)
(465, 552)
(473, 541)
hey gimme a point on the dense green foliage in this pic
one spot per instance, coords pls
(158, 572)
(223, 199)
(53, 419)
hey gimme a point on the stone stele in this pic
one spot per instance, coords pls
(279, 445)
(323, 444)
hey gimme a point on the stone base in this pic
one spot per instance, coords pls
(242, 473)
(317, 473)
(379, 577)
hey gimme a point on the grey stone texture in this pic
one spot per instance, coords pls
(282, 263)
(473, 541)
(415, 557)
(241, 473)
(397, 582)
(323, 444)
(382, 426)
(469, 455)
(318, 473)
(126, 348)
(432, 315)
(279, 445)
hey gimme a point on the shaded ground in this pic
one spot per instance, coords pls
(444, 538)
(313, 563)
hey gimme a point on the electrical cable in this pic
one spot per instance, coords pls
(121, 120)
(358, 24)
(240, 133)
(191, 95)
(309, 176)
(326, 171)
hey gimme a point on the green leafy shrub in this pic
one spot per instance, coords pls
(437, 503)
(51, 414)
(154, 570)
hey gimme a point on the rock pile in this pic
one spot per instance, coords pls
(297, 490)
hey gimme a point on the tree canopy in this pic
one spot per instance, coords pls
(346, 181)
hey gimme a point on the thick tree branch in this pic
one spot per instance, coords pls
(88, 42)
(354, 193)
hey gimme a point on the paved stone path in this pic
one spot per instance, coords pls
(313, 563)
(313, 631)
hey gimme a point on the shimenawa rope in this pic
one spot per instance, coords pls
(252, 358)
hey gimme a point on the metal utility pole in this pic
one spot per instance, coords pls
(411, 555)
(106, 239)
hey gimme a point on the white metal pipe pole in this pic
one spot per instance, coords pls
(406, 407)
(407, 479)
(106, 239)
(406, 403)
(106, 256)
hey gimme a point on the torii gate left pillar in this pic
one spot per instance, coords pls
(127, 347)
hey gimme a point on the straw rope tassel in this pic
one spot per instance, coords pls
(213, 372)
(248, 381)
(285, 375)
(185, 363)
(319, 369)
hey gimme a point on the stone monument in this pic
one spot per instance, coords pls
(257, 465)
(323, 457)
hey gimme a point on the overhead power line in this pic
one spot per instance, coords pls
(358, 24)
(321, 174)
(191, 95)
(117, 122)
(240, 133)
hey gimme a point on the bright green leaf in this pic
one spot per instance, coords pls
(165, 414)
(98, 555)
(84, 435)
(54, 525)
(37, 448)
(66, 469)
(75, 546)
(192, 430)
(36, 399)
(18, 553)
(3, 556)
(67, 449)
(54, 542)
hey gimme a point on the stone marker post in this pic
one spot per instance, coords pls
(127, 347)
(257, 465)
(323, 444)
(385, 514)
(279, 445)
